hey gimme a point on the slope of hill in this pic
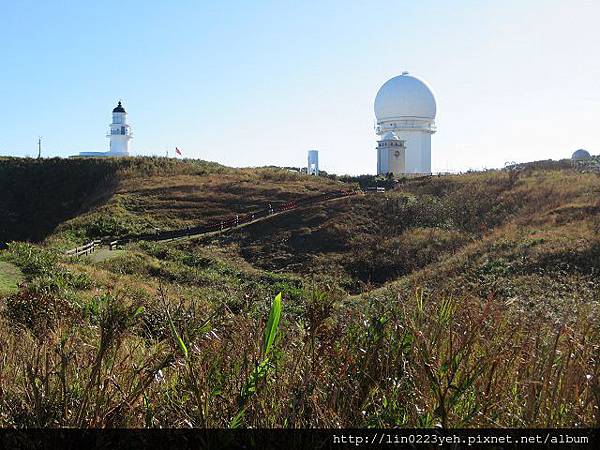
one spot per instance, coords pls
(461, 300)
(38, 195)
(84, 198)
(549, 218)
(147, 204)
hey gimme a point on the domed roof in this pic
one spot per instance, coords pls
(390, 136)
(119, 108)
(581, 154)
(404, 96)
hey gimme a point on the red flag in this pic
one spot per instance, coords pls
(177, 151)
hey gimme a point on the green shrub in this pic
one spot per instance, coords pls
(129, 263)
(43, 271)
(39, 312)
(107, 225)
(377, 260)
(31, 259)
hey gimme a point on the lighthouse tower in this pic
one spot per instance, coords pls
(405, 109)
(119, 133)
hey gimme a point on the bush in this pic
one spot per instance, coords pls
(130, 263)
(106, 225)
(42, 269)
(38, 312)
(375, 260)
(31, 259)
(60, 282)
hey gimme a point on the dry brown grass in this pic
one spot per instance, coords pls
(412, 362)
(479, 306)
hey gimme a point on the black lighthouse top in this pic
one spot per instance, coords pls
(119, 108)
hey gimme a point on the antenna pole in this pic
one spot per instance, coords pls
(39, 147)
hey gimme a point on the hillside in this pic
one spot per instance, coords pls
(78, 199)
(513, 222)
(459, 300)
(39, 195)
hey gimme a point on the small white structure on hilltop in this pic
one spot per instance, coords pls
(580, 155)
(405, 110)
(119, 133)
(313, 162)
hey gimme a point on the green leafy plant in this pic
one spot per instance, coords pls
(261, 370)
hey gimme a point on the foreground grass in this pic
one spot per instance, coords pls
(413, 362)
(148, 353)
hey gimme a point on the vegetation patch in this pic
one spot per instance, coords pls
(10, 277)
(455, 301)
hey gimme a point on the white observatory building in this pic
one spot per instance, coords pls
(119, 133)
(313, 162)
(405, 110)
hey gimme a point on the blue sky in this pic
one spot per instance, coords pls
(252, 83)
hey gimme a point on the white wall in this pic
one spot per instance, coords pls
(418, 150)
(119, 144)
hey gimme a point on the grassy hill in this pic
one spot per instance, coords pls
(75, 200)
(459, 300)
(39, 195)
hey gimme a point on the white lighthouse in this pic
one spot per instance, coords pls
(405, 110)
(119, 133)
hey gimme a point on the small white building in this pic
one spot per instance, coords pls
(391, 154)
(119, 133)
(406, 107)
(313, 162)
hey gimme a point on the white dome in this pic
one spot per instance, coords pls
(581, 154)
(404, 96)
(390, 136)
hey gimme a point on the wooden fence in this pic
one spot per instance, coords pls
(85, 249)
